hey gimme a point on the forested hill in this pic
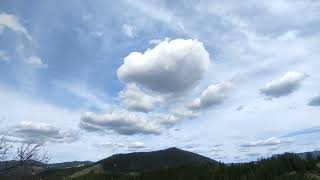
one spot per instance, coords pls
(146, 161)
(176, 164)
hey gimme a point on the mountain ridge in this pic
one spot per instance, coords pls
(143, 161)
(177, 164)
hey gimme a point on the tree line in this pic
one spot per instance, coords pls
(288, 166)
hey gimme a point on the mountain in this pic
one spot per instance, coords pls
(177, 164)
(145, 161)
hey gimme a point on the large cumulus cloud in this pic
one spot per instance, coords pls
(153, 79)
(170, 67)
(284, 86)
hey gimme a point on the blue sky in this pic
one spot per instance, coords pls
(231, 80)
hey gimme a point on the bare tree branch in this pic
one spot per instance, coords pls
(4, 147)
(30, 154)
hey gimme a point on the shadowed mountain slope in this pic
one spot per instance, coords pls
(144, 161)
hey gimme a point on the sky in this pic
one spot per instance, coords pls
(233, 81)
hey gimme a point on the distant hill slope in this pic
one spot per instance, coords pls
(63, 165)
(313, 154)
(144, 161)
(176, 164)
(13, 170)
(71, 164)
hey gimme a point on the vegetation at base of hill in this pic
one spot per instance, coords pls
(288, 166)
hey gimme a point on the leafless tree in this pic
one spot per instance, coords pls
(4, 147)
(32, 154)
(4, 151)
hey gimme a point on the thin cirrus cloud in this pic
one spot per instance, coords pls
(12, 22)
(284, 86)
(129, 30)
(92, 98)
(301, 132)
(36, 61)
(164, 68)
(31, 132)
(4, 56)
(268, 142)
(116, 145)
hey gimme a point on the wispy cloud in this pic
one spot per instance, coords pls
(268, 142)
(303, 132)
(129, 30)
(4, 56)
(12, 22)
(36, 61)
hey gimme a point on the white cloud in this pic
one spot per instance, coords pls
(136, 145)
(129, 30)
(119, 121)
(138, 100)
(36, 62)
(315, 101)
(111, 145)
(122, 145)
(28, 131)
(4, 56)
(292, 9)
(284, 86)
(175, 117)
(12, 22)
(214, 95)
(216, 149)
(170, 67)
(268, 142)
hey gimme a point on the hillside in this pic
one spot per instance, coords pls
(64, 165)
(176, 164)
(146, 161)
